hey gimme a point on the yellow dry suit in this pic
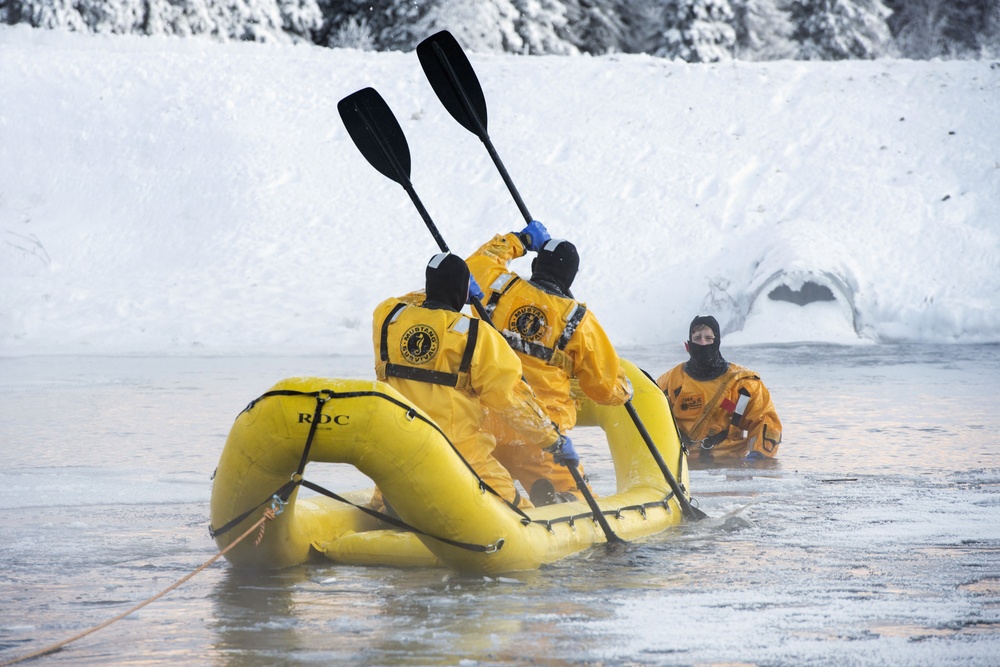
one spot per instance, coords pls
(452, 367)
(557, 338)
(731, 415)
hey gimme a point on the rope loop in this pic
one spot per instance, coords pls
(269, 515)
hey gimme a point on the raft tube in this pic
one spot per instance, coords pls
(458, 523)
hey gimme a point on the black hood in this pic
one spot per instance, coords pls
(556, 264)
(706, 360)
(446, 282)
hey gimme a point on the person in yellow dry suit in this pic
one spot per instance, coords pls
(721, 408)
(557, 339)
(452, 368)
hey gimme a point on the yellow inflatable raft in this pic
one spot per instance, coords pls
(450, 518)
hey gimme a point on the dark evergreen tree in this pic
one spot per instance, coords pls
(696, 31)
(946, 28)
(690, 30)
(352, 33)
(544, 27)
(919, 27)
(763, 30)
(301, 18)
(595, 27)
(487, 26)
(989, 40)
(46, 14)
(640, 21)
(971, 28)
(255, 20)
(393, 23)
(348, 24)
(841, 29)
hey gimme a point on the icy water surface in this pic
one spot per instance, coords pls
(874, 540)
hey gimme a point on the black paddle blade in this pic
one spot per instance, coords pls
(450, 74)
(376, 133)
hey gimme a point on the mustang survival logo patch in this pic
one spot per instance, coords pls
(419, 344)
(529, 322)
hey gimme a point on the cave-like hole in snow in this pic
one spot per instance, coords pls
(809, 293)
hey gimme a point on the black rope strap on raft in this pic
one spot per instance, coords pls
(290, 486)
(322, 396)
(282, 494)
(284, 491)
(399, 523)
(413, 414)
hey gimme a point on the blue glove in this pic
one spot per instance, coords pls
(534, 235)
(563, 453)
(754, 456)
(474, 291)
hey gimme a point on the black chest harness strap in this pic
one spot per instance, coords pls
(431, 376)
(550, 355)
(500, 287)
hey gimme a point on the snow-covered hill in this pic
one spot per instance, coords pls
(187, 197)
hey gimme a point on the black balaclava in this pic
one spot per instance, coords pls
(555, 266)
(446, 282)
(706, 362)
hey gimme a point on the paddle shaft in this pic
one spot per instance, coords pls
(689, 510)
(602, 521)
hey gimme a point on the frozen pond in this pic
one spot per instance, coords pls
(875, 539)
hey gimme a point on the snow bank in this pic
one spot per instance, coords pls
(163, 196)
